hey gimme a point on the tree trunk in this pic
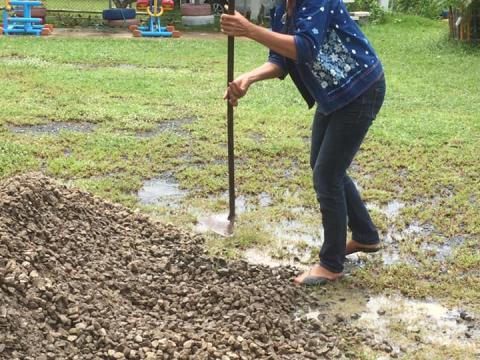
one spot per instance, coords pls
(122, 4)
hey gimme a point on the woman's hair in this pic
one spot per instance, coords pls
(289, 6)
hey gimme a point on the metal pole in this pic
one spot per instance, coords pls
(231, 154)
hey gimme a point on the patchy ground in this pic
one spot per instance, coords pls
(125, 34)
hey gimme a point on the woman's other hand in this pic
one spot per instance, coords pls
(237, 89)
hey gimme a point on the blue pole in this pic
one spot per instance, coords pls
(27, 13)
(5, 22)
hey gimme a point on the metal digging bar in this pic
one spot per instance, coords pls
(223, 224)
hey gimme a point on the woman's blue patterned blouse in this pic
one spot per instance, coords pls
(335, 62)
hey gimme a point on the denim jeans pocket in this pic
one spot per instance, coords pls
(353, 112)
(378, 98)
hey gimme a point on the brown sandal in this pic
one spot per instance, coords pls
(365, 249)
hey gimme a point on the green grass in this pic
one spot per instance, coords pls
(89, 5)
(422, 150)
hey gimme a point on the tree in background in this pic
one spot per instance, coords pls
(122, 4)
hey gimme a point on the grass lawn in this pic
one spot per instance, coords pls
(421, 152)
(89, 5)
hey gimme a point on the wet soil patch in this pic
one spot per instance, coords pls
(296, 242)
(39, 62)
(174, 125)
(52, 128)
(414, 324)
(399, 327)
(245, 203)
(163, 192)
(81, 277)
(441, 251)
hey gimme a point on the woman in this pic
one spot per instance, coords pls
(333, 65)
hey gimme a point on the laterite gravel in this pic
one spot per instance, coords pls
(83, 278)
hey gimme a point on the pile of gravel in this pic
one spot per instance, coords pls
(82, 278)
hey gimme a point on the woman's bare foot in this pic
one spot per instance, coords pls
(317, 271)
(354, 246)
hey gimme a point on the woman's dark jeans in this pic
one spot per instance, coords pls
(336, 139)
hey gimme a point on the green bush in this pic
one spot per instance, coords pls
(377, 14)
(427, 8)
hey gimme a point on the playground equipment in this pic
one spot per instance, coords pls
(142, 5)
(13, 23)
(153, 26)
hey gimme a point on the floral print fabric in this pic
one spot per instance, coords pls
(333, 62)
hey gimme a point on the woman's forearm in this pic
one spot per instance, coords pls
(280, 43)
(264, 72)
(236, 25)
(239, 87)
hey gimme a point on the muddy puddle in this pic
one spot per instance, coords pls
(244, 204)
(174, 125)
(161, 192)
(262, 257)
(295, 242)
(298, 241)
(51, 128)
(390, 210)
(292, 240)
(432, 322)
(402, 326)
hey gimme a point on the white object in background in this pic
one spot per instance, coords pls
(459, 21)
(198, 20)
(384, 4)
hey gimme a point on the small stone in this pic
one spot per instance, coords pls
(312, 343)
(55, 334)
(466, 316)
(72, 338)
(73, 331)
(381, 312)
(102, 332)
(386, 348)
(81, 326)
(223, 271)
(414, 329)
(138, 339)
(65, 320)
(323, 350)
(150, 355)
(188, 344)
